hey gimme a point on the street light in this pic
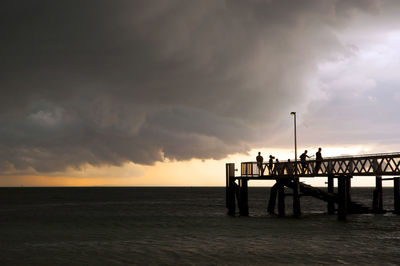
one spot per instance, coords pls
(295, 142)
(296, 187)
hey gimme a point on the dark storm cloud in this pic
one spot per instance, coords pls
(106, 82)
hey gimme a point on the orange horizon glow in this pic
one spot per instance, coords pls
(207, 173)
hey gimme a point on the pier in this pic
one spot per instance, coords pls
(384, 166)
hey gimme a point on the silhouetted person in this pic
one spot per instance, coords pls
(303, 158)
(260, 160)
(289, 167)
(271, 163)
(277, 167)
(318, 160)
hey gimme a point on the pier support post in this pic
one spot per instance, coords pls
(396, 194)
(231, 188)
(331, 189)
(243, 197)
(348, 190)
(342, 193)
(281, 199)
(272, 199)
(377, 204)
(296, 198)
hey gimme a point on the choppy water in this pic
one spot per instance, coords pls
(64, 226)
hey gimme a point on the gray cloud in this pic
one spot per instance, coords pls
(108, 82)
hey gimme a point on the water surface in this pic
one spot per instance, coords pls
(64, 226)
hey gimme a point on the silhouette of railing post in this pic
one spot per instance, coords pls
(396, 194)
(231, 188)
(331, 189)
(342, 194)
(243, 197)
(330, 167)
(377, 204)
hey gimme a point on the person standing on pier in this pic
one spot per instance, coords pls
(260, 160)
(278, 167)
(318, 160)
(303, 158)
(289, 167)
(270, 163)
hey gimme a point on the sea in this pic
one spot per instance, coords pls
(186, 226)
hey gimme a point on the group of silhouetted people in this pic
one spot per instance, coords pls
(277, 168)
(260, 161)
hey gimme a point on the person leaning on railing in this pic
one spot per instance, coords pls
(303, 158)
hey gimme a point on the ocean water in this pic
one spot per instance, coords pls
(169, 226)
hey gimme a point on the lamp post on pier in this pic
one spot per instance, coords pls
(295, 141)
(296, 187)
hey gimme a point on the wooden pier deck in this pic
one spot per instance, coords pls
(288, 174)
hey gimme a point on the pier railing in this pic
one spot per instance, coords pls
(363, 165)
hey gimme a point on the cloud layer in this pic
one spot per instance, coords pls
(144, 81)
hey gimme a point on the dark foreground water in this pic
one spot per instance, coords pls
(152, 226)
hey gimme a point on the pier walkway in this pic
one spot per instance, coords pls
(287, 175)
(360, 165)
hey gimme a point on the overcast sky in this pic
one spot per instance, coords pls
(112, 82)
